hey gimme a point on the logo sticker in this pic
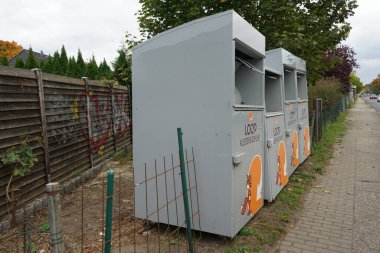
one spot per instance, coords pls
(306, 149)
(282, 174)
(253, 200)
(295, 155)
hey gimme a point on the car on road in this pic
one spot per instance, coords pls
(373, 96)
(378, 98)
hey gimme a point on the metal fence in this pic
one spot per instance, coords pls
(99, 215)
(320, 117)
(71, 125)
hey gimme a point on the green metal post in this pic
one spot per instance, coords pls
(108, 236)
(184, 190)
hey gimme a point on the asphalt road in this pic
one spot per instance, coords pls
(373, 103)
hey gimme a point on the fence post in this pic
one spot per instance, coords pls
(55, 218)
(41, 100)
(184, 190)
(318, 118)
(113, 116)
(89, 129)
(108, 236)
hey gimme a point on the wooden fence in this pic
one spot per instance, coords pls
(71, 124)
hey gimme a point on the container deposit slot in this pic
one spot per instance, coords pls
(302, 86)
(249, 79)
(290, 84)
(273, 98)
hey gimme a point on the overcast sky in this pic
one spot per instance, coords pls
(98, 27)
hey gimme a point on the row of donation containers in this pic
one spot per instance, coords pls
(243, 110)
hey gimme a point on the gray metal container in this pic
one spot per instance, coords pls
(284, 60)
(303, 110)
(275, 170)
(190, 77)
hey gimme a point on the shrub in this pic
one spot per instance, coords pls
(330, 90)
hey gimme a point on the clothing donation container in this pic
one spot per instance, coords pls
(282, 59)
(303, 110)
(275, 169)
(207, 77)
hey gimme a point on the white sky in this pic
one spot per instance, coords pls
(98, 27)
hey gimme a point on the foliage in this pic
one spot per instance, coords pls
(375, 85)
(9, 49)
(304, 27)
(21, 158)
(329, 90)
(19, 63)
(56, 64)
(45, 227)
(63, 60)
(72, 68)
(355, 80)
(80, 65)
(122, 68)
(48, 65)
(31, 62)
(92, 69)
(4, 61)
(104, 71)
(343, 58)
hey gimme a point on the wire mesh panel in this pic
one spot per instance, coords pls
(84, 213)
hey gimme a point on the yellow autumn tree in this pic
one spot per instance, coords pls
(376, 84)
(9, 49)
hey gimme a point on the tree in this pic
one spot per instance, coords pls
(122, 68)
(56, 64)
(4, 61)
(80, 65)
(9, 49)
(92, 69)
(344, 62)
(304, 27)
(19, 63)
(105, 71)
(31, 62)
(48, 66)
(72, 68)
(355, 80)
(63, 59)
(375, 85)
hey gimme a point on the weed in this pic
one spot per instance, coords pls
(246, 231)
(45, 227)
(78, 173)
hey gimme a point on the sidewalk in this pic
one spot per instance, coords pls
(342, 211)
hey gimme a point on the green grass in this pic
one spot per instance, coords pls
(269, 225)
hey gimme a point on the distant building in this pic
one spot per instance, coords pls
(24, 55)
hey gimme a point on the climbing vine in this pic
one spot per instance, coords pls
(21, 158)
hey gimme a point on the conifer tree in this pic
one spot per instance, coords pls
(63, 60)
(19, 63)
(72, 68)
(48, 66)
(105, 71)
(92, 69)
(42, 64)
(122, 68)
(81, 66)
(56, 64)
(4, 61)
(31, 61)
